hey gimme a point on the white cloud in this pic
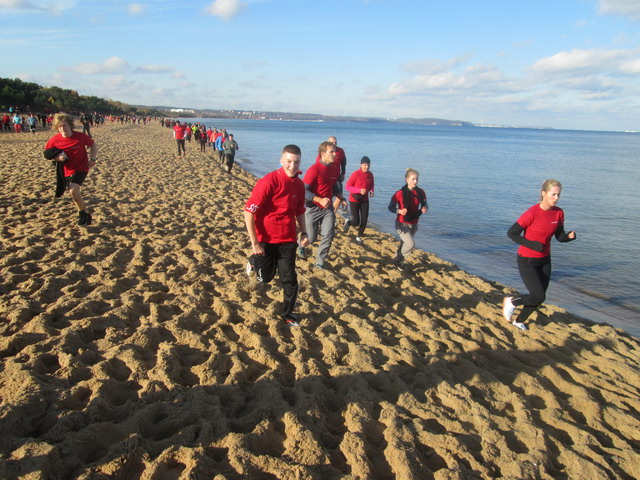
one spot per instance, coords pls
(110, 66)
(426, 67)
(40, 6)
(153, 69)
(577, 59)
(225, 9)
(631, 67)
(626, 8)
(440, 79)
(555, 86)
(136, 9)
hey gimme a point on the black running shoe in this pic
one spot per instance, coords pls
(82, 217)
(291, 320)
(398, 263)
(88, 219)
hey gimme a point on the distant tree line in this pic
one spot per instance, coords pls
(31, 97)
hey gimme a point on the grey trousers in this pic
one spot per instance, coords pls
(406, 232)
(321, 221)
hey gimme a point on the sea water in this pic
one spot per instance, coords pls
(479, 181)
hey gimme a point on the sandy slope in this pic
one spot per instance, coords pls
(138, 348)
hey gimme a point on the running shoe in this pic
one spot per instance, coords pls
(82, 217)
(359, 240)
(249, 269)
(291, 320)
(398, 263)
(507, 308)
(347, 224)
(519, 325)
(87, 219)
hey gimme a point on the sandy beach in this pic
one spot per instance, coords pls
(137, 347)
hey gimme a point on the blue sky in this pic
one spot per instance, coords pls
(560, 63)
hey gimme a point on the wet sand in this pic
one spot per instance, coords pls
(138, 348)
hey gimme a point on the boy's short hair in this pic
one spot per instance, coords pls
(294, 149)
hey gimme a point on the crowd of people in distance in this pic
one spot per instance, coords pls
(13, 120)
(221, 143)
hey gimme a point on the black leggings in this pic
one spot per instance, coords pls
(359, 215)
(229, 159)
(279, 257)
(181, 147)
(535, 273)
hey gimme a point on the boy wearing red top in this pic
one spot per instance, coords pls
(276, 205)
(75, 160)
(320, 183)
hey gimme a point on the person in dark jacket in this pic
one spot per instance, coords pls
(408, 203)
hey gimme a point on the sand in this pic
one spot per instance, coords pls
(138, 347)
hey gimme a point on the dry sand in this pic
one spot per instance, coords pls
(138, 348)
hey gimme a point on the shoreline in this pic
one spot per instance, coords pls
(137, 347)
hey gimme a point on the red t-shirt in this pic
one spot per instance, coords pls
(321, 178)
(180, 132)
(540, 225)
(276, 201)
(76, 149)
(357, 181)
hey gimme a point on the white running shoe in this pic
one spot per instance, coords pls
(358, 239)
(507, 308)
(519, 325)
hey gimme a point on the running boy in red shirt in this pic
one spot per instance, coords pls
(276, 205)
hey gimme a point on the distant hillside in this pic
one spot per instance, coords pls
(436, 121)
(308, 117)
(31, 97)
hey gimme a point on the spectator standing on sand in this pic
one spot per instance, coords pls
(320, 183)
(274, 208)
(539, 223)
(408, 203)
(230, 146)
(75, 160)
(360, 188)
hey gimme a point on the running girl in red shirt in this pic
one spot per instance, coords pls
(539, 223)
(360, 187)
